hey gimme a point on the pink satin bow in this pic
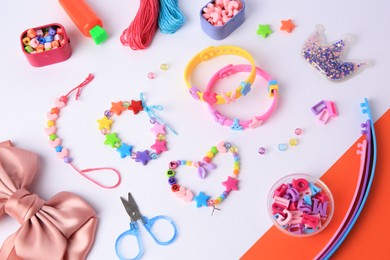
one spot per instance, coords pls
(60, 228)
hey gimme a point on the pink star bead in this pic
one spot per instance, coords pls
(230, 184)
(160, 146)
(158, 129)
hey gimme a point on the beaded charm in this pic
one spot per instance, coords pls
(204, 166)
(56, 142)
(125, 150)
(327, 57)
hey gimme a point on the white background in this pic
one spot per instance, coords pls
(28, 93)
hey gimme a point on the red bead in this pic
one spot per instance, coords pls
(64, 99)
(207, 159)
(175, 187)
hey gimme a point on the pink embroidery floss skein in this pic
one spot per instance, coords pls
(142, 29)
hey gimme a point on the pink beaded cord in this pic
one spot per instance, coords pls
(55, 141)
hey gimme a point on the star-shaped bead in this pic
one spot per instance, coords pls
(201, 199)
(160, 146)
(230, 184)
(143, 157)
(158, 129)
(105, 123)
(264, 30)
(117, 107)
(124, 150)
(287, 25)
(112, 139)
(136, 106)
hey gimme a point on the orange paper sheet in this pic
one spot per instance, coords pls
(370, 235)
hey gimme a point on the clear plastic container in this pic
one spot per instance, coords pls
(300, 205)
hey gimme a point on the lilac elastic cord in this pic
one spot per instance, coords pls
(236, 124)
(362, 190)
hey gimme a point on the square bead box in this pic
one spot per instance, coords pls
(50, 55)
(221, 32)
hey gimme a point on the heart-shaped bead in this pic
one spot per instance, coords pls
(58, 103)
(64, 152)
(54, 143)
(50, 130)
(51, 116)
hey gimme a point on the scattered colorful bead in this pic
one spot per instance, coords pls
(164, 66)
(204, 167)
(151, 75)
(219, 12)
(39, 40)
(261, 150)
(282, 147)
(293, 142)
(300, 205)
(287, 25)
(298, 131)
(264, 30)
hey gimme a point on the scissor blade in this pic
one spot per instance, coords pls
(131, 207)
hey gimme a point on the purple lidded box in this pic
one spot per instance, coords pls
(221, 32)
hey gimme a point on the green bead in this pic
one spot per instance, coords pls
(170, 173)
(214, 150)
(53, 137)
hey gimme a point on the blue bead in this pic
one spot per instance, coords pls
(59, 149)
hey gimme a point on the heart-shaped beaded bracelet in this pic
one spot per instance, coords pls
(124, 149)
(203, 200)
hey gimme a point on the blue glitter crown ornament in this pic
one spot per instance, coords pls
(326, 57)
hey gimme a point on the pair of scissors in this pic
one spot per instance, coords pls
(135, 216)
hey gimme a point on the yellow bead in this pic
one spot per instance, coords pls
(51, 123)
(189, 163)
(160, 137)
(164, 66)
(236, 164)
(210, 154)
(293, 141)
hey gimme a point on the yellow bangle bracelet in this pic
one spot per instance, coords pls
(210, 53)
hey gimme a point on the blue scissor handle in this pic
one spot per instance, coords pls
(148, 224)
(133, 231)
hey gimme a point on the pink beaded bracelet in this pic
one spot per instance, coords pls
(237, 124)
(56, 142)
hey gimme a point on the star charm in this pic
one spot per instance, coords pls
(136, 106)
(112, 139)
(158, 129)
(201, 199)
(117, 107)
(159, 146)
(143, 157)
(230, 184)
(287, 25)
(105, 123)
(124, 150)
(264, 30)
(245, 87)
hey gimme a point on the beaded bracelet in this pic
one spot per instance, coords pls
(210, 53)
(124, 149)
(237, 124)
(56, 142)
(203, 167)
